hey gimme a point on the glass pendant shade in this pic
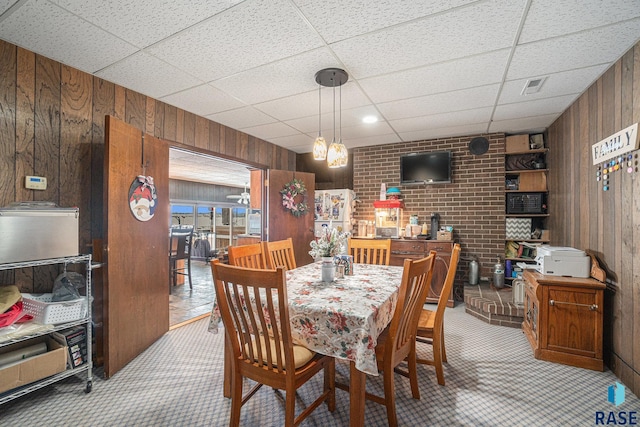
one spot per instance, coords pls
(320, 149)
(343, 155)
(333, 156)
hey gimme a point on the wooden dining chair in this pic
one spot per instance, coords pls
(249, 256)
(431, 323)
(370, 251)
(280, 253)
(260, 337)
(398, 340)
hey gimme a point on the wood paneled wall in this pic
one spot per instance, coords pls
(326, 178)
(52, 125)
(606, 222)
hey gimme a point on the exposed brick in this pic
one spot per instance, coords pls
(473, 203)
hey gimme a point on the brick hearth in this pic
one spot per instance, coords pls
(493, 306)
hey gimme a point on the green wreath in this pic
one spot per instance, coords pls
(289, 193)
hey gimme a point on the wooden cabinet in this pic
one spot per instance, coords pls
(415, 249)
(563, 319)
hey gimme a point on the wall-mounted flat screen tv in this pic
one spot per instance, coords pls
(425, 168)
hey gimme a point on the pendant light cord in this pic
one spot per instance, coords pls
(319, 110)
(334, 106)
(340, 137)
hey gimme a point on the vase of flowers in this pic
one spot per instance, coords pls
(329, 244)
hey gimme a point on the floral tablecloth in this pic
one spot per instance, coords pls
(341, 319)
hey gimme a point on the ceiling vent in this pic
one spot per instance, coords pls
(533, 86)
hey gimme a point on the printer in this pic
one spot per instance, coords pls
(562, 261)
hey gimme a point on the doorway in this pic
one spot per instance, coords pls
(205, 193)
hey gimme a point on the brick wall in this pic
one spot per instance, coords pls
(473, 203)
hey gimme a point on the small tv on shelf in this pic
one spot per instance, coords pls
(425, 168)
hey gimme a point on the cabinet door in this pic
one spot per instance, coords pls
(531, 312)
(440, 270)
(573, 323)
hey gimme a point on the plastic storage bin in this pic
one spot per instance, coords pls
(47, 312)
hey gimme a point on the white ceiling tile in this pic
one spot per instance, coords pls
(528, 124)
(241, 118)
(295, 106)
(5, 4)
(552, 18)
(306, 104)
(459, 100)
(574, 51)
(480, 115)
(309, 124)
(390, 138)
(142, 23)
(350, 117)
(354, 116)
(270, 130)
(481, 27)
(278, 79)
(301, 142)
(203, 100)
(537, 107)
(563, 83)
(364, 130)
(53, 32)
(338, 20)
(447, 76)
(148, 75)
(460, 130)
(251, 34)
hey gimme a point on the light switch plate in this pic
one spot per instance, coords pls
(35, 182)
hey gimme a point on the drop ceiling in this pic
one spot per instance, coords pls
(196, 167)
(425, 69)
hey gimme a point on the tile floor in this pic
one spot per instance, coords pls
(185, 303)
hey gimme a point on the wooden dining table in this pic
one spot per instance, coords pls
(342, 319)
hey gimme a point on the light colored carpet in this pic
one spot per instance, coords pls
(492, 379)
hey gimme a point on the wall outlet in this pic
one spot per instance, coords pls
(35, 182)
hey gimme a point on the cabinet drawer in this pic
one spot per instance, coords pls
(418, 247)
(440, 247)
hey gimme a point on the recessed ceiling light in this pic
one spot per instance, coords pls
(369, 119)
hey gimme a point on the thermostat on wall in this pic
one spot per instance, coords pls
(35, 182)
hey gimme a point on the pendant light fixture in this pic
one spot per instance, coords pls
(337, 156)
(319, 145)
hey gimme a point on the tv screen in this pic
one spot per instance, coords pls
(426, 168)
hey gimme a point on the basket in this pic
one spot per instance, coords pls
(49, 313)
(524, 203)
